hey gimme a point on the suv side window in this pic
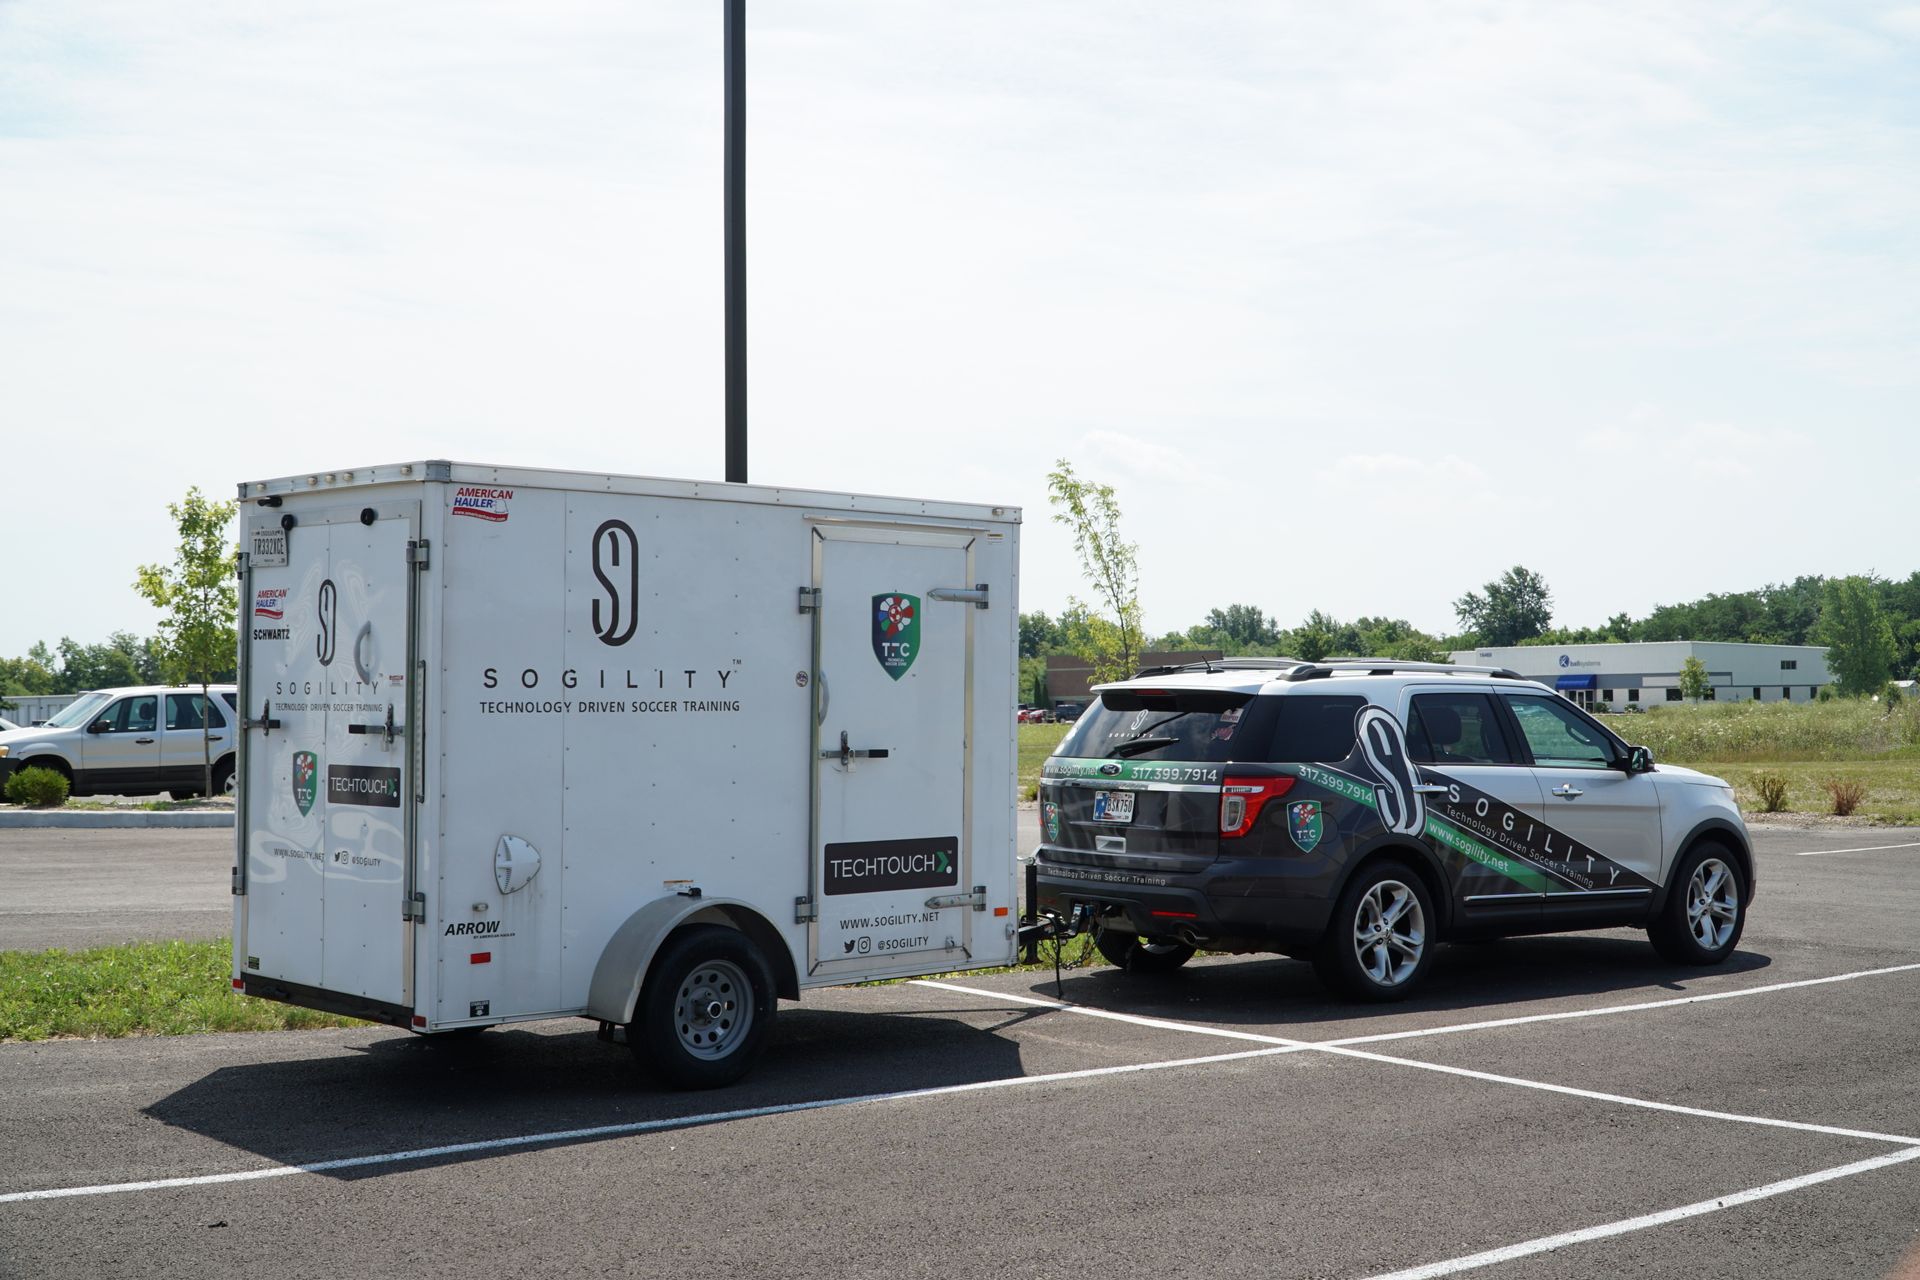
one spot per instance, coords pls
(1559, 736)
(183, 712)
(1314, 729)
(1456, 728)
(133, 715)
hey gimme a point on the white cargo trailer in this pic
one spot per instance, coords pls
(529, 744)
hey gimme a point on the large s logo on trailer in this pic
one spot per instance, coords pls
(529, 744)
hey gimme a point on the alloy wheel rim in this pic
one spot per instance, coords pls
(713, 1009)
(1713, 904)
(1389, 933)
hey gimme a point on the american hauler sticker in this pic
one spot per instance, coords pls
(875, 866)
(482, 502)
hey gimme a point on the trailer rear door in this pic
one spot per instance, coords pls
(893, 682)
(327, 799)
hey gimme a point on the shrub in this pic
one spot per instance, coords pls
(1772, 790)
(38, 788)
(1845, 793)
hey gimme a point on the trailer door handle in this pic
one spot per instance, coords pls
(388, 731)
(847, 755)
(266, 723)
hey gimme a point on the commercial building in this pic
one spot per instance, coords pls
(1620, 676)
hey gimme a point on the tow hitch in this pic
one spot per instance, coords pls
(1051, 925)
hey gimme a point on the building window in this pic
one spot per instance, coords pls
(1789, 664)
(1633, 695)
(1673, 695)
(1606, 695)
(1786, 693)
(1756, 693)
(1710, 692)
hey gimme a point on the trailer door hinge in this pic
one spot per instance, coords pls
(809, 599)
(419, 553)
(804, 911)
(414, 907)
(239, 883)
(977, 899)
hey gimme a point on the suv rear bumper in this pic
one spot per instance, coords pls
(1228, 901)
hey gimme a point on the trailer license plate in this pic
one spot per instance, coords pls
(269, 549)
(1113, 806)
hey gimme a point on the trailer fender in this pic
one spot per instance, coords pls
(623, 965)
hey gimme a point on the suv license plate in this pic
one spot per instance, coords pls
(1113, 806)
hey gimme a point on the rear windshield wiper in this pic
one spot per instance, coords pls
(1138, 745)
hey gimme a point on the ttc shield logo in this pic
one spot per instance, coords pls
(1304, 824)
(896, 632)
(306, 780)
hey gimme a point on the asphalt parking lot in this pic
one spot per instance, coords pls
(1566, 1106)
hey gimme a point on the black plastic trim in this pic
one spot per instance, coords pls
(327, 1001)
(1715, 827)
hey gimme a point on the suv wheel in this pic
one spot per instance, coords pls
(1705, 908)
(1136, 954)
(1380, 942)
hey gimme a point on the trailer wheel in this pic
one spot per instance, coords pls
(706, 1008)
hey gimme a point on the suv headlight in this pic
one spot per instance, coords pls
(3, 752)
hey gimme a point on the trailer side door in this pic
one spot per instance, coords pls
(893, 673)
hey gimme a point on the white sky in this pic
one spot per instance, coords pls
(1356, 305)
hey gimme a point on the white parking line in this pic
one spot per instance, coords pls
(618, 1130)
(1871, 848)
(1605, 1010)
(1342, 1049)
(1546, 1244)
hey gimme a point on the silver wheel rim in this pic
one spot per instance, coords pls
(1713, 904)
(1389, 933)
(230, 786)
(713, 1009)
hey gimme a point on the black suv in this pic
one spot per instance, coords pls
(1355, 813)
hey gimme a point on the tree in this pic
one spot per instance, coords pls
(1039, 635)
(197, 636)
(1243, 626)
(95, 666)
(1694, 683)
(1110, 565)
(1516, 605)
(1860, 644)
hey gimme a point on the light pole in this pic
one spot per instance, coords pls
(735, 128)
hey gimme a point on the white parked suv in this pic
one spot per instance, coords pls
(1357, 813)
(135, 741)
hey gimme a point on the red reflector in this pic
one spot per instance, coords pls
(999, 911)
(239, 984)
(1241, 800)
(1177, 915)
(480, 957)
(419, 1021)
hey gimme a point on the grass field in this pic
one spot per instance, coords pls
(144, 988)
(1037, 742)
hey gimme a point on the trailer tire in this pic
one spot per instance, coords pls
(705, 1009)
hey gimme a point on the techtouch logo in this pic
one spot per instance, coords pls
(615, 548)
(873, 866)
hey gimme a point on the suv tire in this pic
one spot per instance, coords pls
(1136, 954)
(1706, 908)
(1380, 942)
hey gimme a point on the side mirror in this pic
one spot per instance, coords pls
(1639, 760)
(98, 726)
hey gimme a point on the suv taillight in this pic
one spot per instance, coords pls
(1241, 800)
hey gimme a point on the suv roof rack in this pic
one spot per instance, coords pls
(1221, 664)
(1393, 666)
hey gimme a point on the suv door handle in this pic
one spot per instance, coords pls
(1568, 790)
(1431, 788)
(143, 742)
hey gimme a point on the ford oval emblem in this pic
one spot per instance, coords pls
(1109, 769)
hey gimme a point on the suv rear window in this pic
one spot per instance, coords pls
(1214, 727)
(1165, 724)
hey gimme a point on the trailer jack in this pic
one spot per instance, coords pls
(1050, 925)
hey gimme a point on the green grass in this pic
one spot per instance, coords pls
(1893, 787)
(142, 988)
(1757, 732)
(1037, 742)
